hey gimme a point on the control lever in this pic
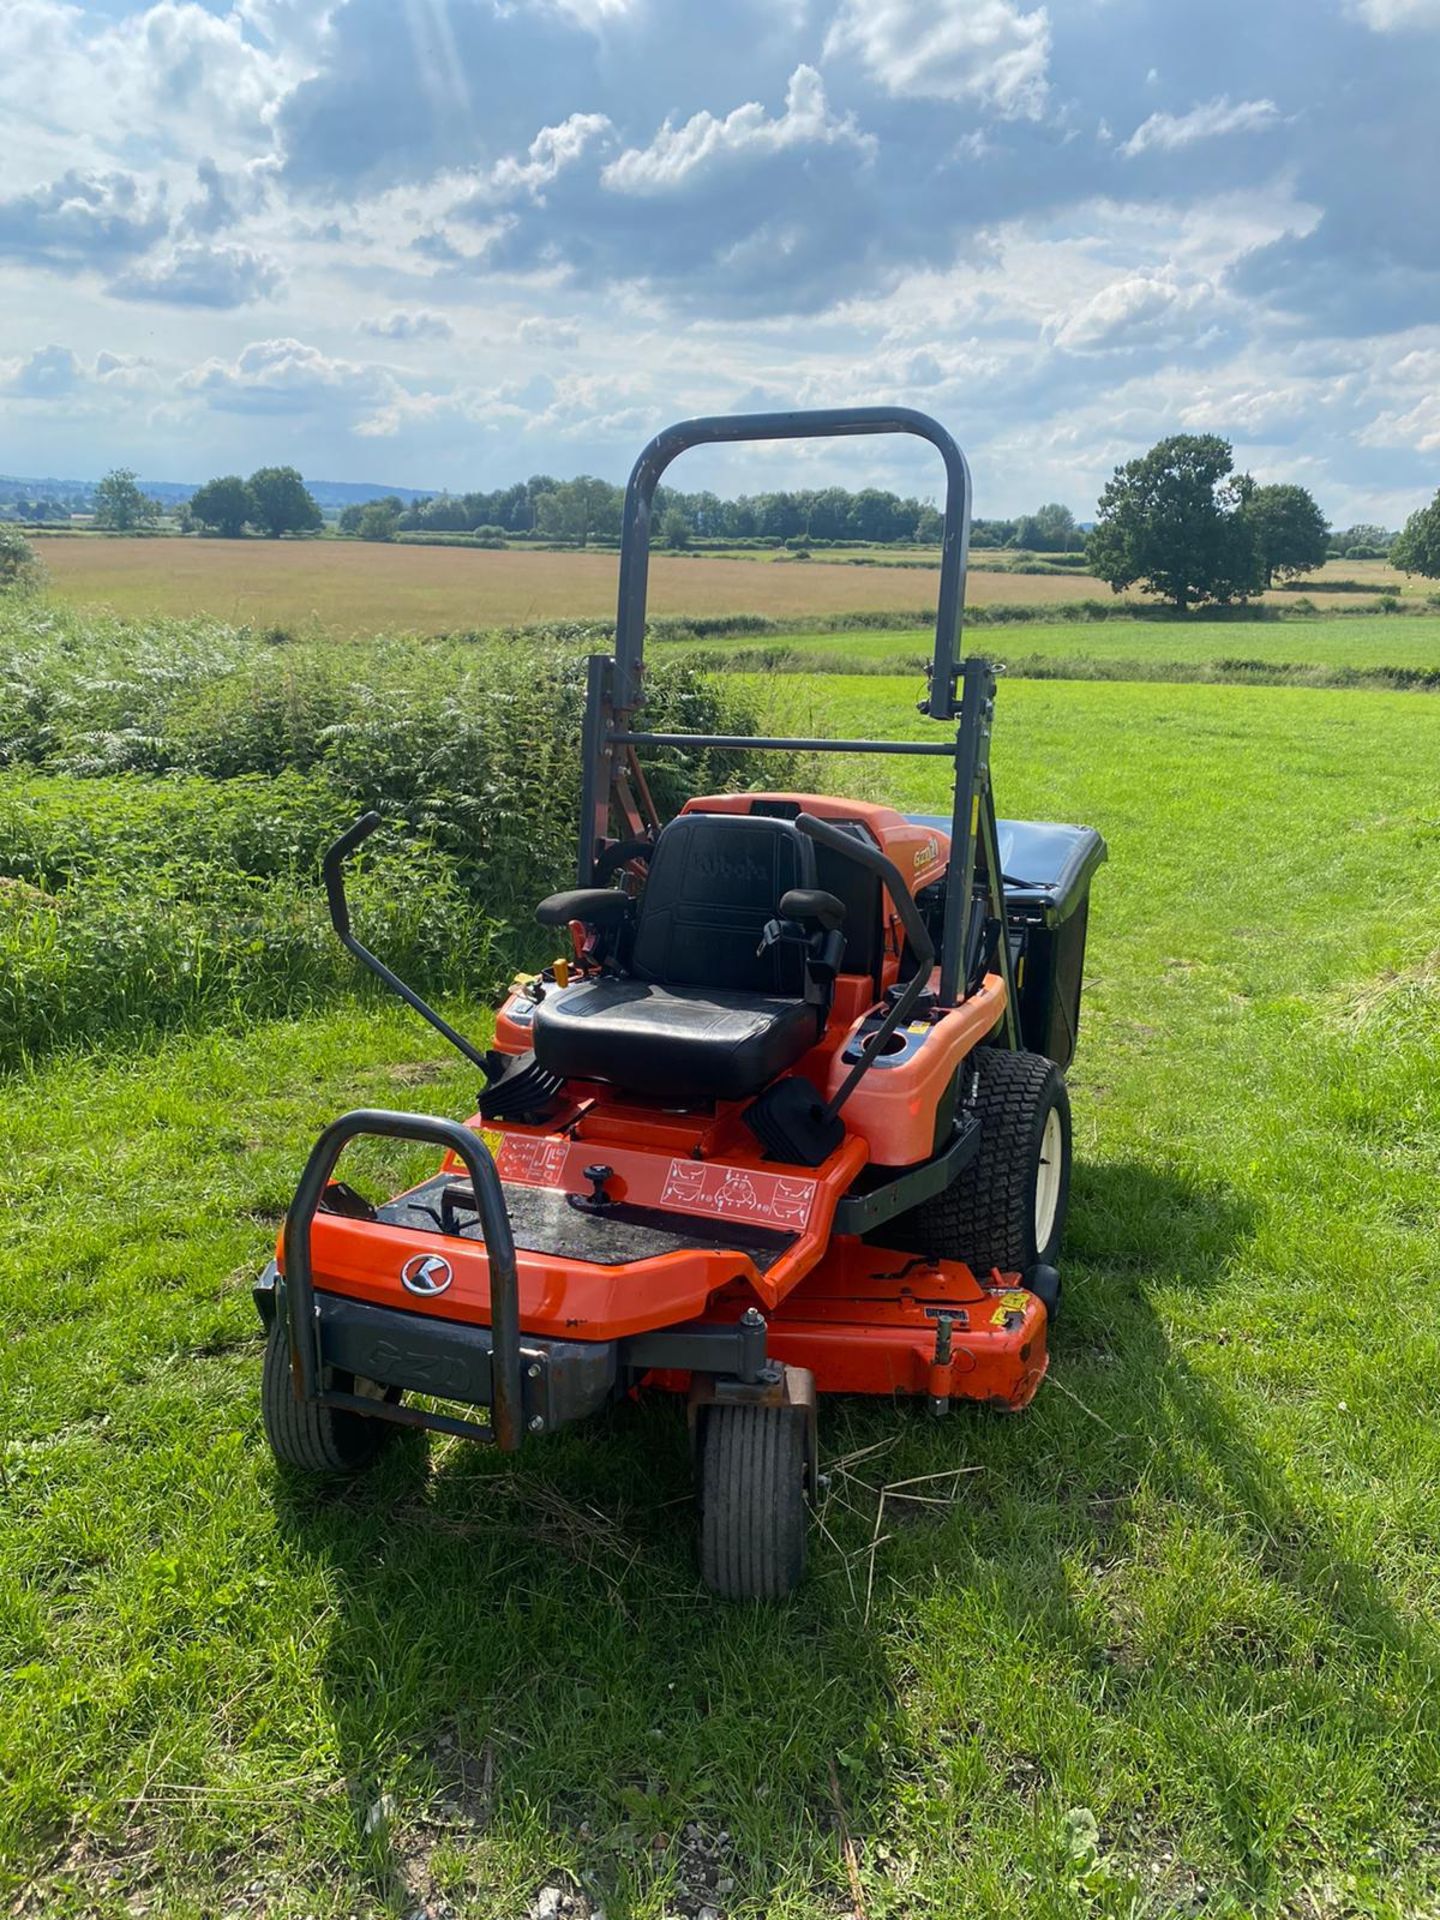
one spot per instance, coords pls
(333, 869)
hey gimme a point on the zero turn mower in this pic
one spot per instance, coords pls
(789, 1119)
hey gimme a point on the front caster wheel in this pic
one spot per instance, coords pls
(754, 1472)
(313, 1439)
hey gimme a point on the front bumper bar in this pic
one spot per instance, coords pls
(560, 1380)
(304, 1317)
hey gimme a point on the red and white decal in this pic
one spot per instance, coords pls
(533, 1162)
(738, 1193)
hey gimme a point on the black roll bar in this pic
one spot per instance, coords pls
(824, 423)
(302, 1322)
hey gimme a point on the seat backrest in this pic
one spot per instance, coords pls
(856, 886)
(714, 881)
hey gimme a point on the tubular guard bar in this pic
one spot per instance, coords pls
(301, 1321)
(823, 423)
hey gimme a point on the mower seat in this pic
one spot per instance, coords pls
(703, 1015)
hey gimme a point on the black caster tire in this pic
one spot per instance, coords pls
(754, 1517)
(1007, 1209)
(313, 1439)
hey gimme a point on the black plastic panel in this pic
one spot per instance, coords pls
(543, 1221)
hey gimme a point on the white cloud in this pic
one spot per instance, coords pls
(1395, 16)
(1169, 131)
(174, 65)
(47, 374)
(551, 151)
(201, 276)
(982, 50)
(81, 220)
(538, 330)
(677, 154)
(590, 13)
(1140, 309)
(53, 373)
(409, 323)
(285, 376)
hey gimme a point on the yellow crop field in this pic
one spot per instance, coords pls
(351, 587)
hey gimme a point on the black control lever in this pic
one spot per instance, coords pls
(333, 868)
(849, 847)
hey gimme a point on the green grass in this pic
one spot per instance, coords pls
(1352, 647)
(1171, 1649)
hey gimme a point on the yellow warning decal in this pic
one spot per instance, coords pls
(493, 1138)
(1000, 1316)
(1017, 1301)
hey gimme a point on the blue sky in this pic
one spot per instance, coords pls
(455, 242)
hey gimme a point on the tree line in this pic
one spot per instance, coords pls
(273, 501)
(1179, 522)
(587, 509)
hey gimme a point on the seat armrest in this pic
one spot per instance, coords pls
(593, 906)
(814, 904)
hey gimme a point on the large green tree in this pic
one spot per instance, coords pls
(1173, 521)
(283, 503)
(1291, 535)
(1050, 529)
(120, 505)
(573, 510)
(378, 521)
(1416, 548)
(223, 505)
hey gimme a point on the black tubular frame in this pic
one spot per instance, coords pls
(610, 772)
(301, 1313)
(826, 423)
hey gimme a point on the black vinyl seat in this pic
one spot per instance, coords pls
(703, 1013)
(676, 1043)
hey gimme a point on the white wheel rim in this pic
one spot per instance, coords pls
(1047, 1179)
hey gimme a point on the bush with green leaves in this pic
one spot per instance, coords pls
(20, 569)
(171, 787)
(124, 955)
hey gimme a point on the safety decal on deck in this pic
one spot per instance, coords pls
(534, 1163)
(738, 1193)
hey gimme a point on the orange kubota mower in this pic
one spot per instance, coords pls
(792, 1119)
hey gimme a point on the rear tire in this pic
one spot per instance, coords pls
(301, 1435)
(1007, 1208)
(753, 1517)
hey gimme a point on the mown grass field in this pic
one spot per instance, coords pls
(352, 587)
(1356, 644)
(1171, 1647)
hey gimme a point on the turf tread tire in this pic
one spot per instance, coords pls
(309, 1438)
(986, 1216)
(753, 1518)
